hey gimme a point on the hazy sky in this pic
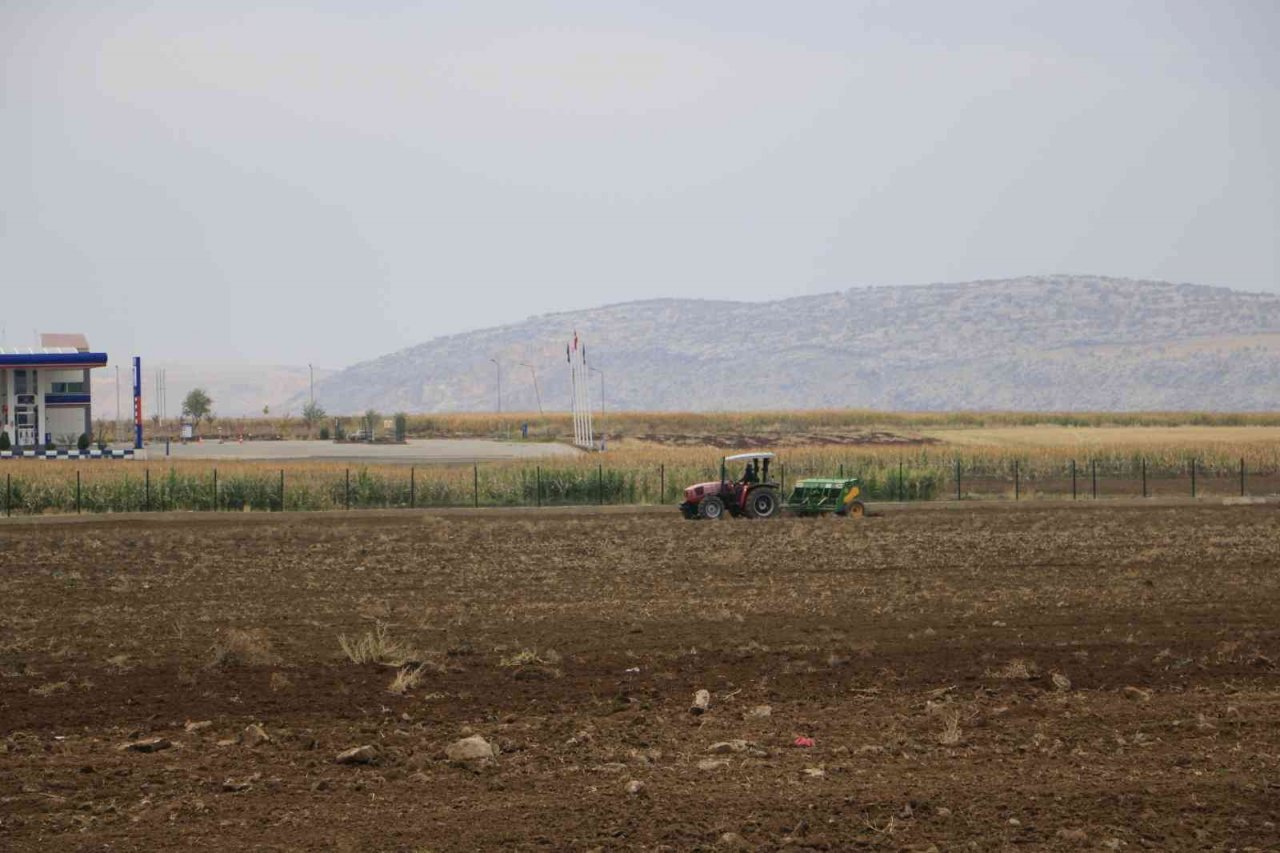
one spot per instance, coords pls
(257, 182)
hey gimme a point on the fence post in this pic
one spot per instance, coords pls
(347, 490)
(1073, 479)
(282, 490)
(8, 494)
(902, 488)
(958, 479)
(1094, 464)
(1017, 484)
(662, 483)
(782, 477)
(475, 483)
(413, 486)
(1241, 476)
(77, 492)
(1144, 476)
(215, 489)
(841, 470)
(1193, 476)
(600, 484)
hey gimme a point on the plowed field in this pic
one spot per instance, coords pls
(1036, 677)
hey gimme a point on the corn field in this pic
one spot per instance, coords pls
(633, 476)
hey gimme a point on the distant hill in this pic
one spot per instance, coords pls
(1043, 343)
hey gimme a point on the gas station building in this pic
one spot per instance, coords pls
(45, 391)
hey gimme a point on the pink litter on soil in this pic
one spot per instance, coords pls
(803, 741)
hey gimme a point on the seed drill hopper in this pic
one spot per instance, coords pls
(826, 495)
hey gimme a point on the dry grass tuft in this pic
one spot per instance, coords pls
(525, 657)
(407, 678)
(377, 646)
(51, 688)
(951, 734)
(243, 648)
(1017, 669)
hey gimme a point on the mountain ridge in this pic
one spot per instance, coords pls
(1046, 342)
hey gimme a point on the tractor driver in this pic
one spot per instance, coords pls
(749, 475)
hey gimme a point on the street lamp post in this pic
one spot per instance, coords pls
(499, 367)
(537, 393)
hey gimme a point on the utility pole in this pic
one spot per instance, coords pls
(601, 372)
(499, 366)
(312, 370)
(536, 392)
(117, 426)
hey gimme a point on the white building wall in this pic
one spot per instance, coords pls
(64, 424)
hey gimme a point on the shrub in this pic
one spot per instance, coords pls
(5, 444)
(324, 433)
(82, 443)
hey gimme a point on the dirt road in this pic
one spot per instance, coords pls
(1035, 676)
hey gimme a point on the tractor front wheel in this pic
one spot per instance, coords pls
(711, 508)
(762, 503)
(857, 509)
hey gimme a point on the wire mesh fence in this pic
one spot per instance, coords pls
(62, 487)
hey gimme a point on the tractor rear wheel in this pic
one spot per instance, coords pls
(711, 508)
(857, 509)
(762, 503)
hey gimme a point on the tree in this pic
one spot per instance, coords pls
(371, 418)
(313, 413)
(197, 405)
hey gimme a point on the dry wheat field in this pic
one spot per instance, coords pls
(972, 678)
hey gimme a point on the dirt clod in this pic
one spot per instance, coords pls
(154, 744)
(473, 748)
(358, 755)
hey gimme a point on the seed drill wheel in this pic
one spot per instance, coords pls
(857, 509)
(711, 508)
(762, 503)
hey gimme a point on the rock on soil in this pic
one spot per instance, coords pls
(635, 787)
(728, 746)
(474, 748)
(253, 735)
(154, 744)
(701, 702)
(358, 755)
(1137, 694)
(713, 764)
(197, 725)
(236, 786)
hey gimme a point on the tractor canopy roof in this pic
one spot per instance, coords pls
(763, 454)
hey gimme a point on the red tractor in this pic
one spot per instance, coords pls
(753, 494)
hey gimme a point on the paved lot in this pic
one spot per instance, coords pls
(416, 452)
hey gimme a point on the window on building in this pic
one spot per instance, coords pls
(68, 387)
(20, 382)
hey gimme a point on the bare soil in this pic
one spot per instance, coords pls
(1020, 676)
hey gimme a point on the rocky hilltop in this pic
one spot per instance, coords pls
(1043, 343)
